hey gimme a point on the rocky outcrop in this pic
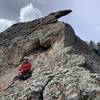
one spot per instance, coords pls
(65, 67)
(21, 38)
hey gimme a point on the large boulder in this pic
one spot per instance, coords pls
(23, 38)
(65, 67)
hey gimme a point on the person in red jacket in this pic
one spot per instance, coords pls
(25, 66)
(25, 69)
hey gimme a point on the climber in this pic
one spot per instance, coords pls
(25, 69)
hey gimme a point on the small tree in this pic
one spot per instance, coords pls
(98, 48)
(95, 47)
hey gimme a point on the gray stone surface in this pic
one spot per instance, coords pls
(64, 68)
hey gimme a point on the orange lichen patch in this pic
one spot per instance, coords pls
(98, 82)
(98, 93)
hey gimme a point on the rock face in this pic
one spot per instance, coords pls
(65, 67)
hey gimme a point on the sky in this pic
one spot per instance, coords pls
(84, 17)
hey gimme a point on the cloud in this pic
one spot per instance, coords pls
(29, 13)
(5, 23)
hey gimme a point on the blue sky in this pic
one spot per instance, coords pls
(84, 18)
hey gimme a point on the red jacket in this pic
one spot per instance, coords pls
(24, 68)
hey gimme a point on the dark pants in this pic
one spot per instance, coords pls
(23, 76)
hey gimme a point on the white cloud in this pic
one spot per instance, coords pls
(29, 13)
(5, 23)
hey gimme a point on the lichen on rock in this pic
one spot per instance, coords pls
(64, 68)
